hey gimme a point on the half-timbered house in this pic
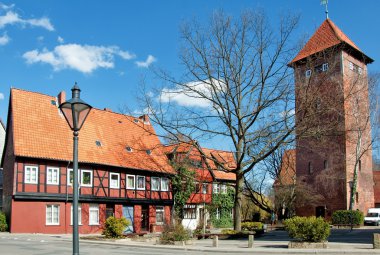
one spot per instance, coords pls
(123, 170)
(212, 176)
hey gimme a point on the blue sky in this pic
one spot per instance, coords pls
(108, 46)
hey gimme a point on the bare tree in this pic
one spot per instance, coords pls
(240, 89)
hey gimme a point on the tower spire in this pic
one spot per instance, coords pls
(326, 3)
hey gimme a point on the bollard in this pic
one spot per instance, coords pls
(376, 241)
(215, 241)
(250, 241)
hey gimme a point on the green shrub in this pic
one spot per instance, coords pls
(229, 232)
(114, 227)
(3, 222)
(223, 222)
(309, 229)
(347, 217)
(174, 233)
(199, 231)
(251, 226)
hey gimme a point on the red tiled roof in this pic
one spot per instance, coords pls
(326, 36)
(225, 158)
(288, 168)
(40, 131)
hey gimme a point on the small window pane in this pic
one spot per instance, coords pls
(159, 215)
(164, 184)
(114, 180)
(86, 179)
(141, 182)
(130, 181)
(155, 183)
(94, 214)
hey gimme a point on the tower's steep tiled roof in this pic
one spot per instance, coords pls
(41, 131)
(288, 169)
(327, 36)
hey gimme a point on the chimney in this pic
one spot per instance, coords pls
(108, 109)
(61, 97)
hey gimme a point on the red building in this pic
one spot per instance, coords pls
(212, 176)
(123, 169)
(331, 85)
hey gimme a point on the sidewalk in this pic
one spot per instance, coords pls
(225, 246)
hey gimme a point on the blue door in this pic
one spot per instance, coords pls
(128, 214)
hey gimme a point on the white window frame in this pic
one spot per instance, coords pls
(93, 208)
(158, 181)
(79, 215)
(52, 170)
(164, 180)
(134, 181)
(325, 67)
(52, 223)
(360, 70)
(308, 73)
(137, 182)
(223, 189)
(30, 169)
(160, 209)
(215, 188)
(117, 186)
(81, 178)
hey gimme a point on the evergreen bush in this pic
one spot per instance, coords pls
(174, 233)
(251, 226)
(307, 229)
(3, 222)
(347, 217)
(114, 227)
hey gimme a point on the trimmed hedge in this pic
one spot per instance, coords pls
(307, 229)
(251, 226)
(114, 227)
(347, 217)
(3, 222)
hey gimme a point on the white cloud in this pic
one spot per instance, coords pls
(83, 58)
(6, 7)
(188, 95)
(12, 18)
(60, 40)
(126, 55)
(4, 39)
(1, 96)
(147, 62)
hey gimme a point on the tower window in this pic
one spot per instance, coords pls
(308, 73)
(310, 167)
(360, 165)
(325, 164)
(325, 67)
(357, 197)
(351, 66)
(360, 70)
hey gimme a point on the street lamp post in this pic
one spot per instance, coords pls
(75, 111)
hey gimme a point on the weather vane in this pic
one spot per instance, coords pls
(326, 2)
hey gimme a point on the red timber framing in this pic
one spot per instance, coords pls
(123, 170)
(34, 198)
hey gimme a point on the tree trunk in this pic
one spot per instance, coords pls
(238, 201)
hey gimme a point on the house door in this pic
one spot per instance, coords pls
(144, 218)
(128, 214)
(320, 211)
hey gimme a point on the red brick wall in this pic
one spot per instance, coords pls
(376, 179)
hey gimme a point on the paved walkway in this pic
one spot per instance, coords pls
(271, 243)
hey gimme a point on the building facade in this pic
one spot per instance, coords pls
(123, 169)
(212, 177)
(333, 146)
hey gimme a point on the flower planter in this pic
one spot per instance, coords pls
(307, 245)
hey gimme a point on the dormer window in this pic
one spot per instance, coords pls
(135, 120)
(98, 143)
(148, 152)
(308, 73)
(129, 149)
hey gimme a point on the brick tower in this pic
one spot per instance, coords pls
(333, 131)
